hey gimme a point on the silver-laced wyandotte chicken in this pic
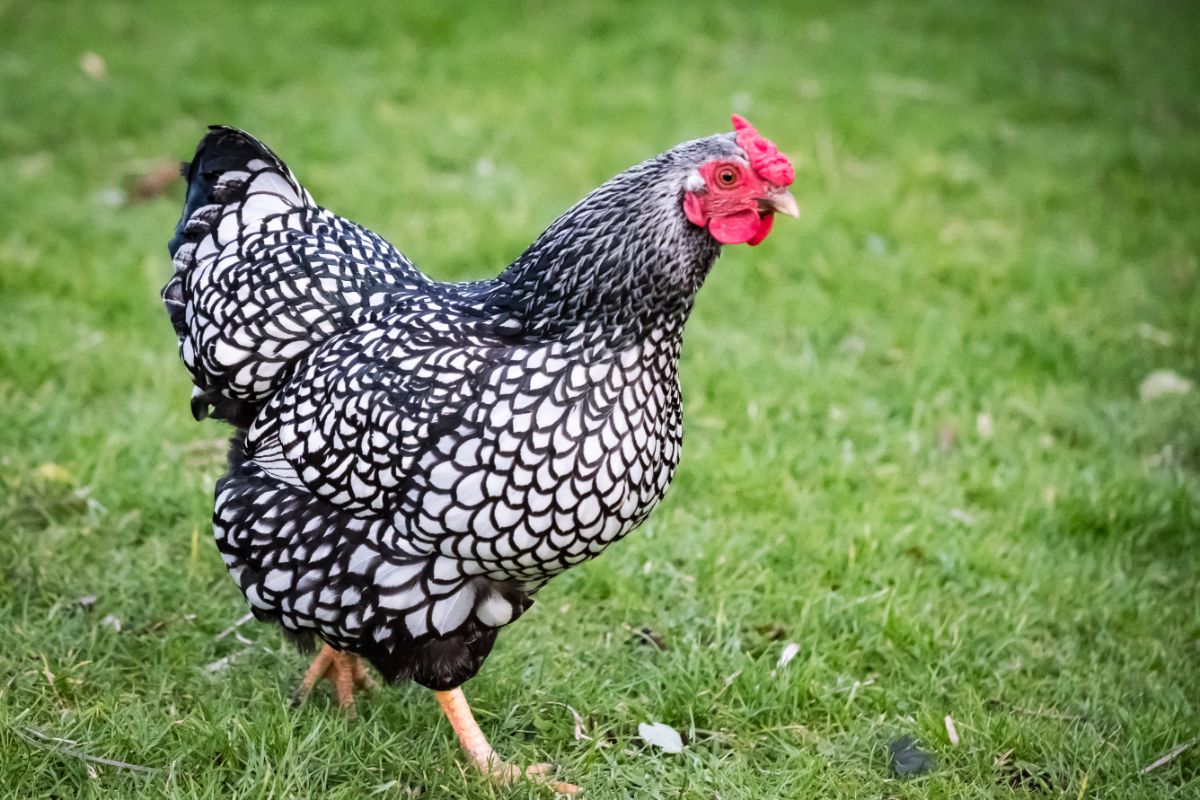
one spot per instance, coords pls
(415, 459)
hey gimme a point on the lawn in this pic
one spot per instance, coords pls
(916, 457)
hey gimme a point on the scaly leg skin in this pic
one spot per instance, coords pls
(476, 746)
(344, 671)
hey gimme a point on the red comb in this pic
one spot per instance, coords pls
(770, 164)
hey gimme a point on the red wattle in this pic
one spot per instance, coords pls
(764, 227)
(737, 228)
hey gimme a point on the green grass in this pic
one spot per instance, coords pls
(1001, 225)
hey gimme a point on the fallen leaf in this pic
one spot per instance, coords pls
(156, 181)
(1156, 335)
(907, 758)
(1163, 382)
(984, 426)
(789, 652)
(93, 66)
(951, 730)
(53, 472)
(662, 736)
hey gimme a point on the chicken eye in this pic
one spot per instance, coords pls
(726, 176)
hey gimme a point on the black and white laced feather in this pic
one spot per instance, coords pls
(418, 458)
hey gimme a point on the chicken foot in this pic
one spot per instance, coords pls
(344, 671)
(475, 744)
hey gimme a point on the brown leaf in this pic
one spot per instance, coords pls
(159, 179)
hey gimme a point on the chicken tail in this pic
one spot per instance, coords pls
(262, 274)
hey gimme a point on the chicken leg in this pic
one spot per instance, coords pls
(344, 671)
(485, 759)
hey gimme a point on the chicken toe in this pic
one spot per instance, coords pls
(344, 671)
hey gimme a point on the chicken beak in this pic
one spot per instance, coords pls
(780, 201)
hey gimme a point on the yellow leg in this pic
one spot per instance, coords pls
(475, 745)
(344, 670)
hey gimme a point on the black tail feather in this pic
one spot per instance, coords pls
(222, 151)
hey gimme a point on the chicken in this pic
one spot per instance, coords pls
(413, 459)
